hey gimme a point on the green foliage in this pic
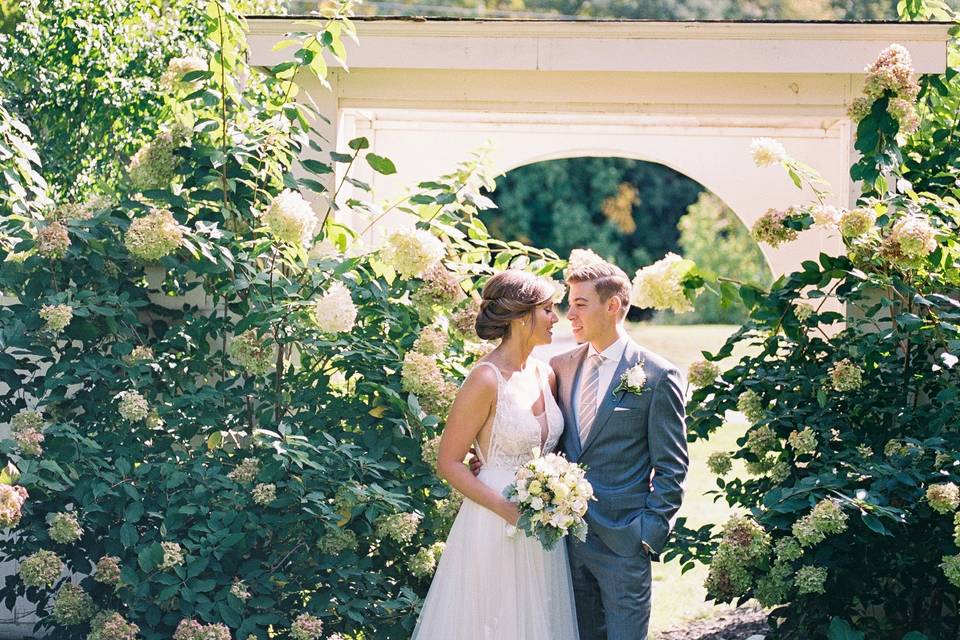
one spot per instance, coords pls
(852, 451)
(22, 188)
(83, 76)
(712, 236)
(560, 204)
(234, 409)
(931, 155)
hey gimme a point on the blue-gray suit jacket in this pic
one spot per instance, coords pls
(635, 453)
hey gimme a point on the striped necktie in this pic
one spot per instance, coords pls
(588, 395)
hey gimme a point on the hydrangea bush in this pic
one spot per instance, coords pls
(257, 460)
(849, 525)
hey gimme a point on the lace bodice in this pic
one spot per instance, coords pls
(516, 432)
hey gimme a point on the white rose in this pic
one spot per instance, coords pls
(536, 504)
(636, 377)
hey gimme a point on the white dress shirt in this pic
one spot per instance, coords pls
(611, 358)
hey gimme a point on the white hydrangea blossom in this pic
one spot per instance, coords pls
(767, 151)
(154, 235)
(826, 216)
(580, 258)
(660, 285)
(56, 316)
(178, 67)
(133, 406)
(291, 219)
(412, 251)
(335, 311)
(154, 165)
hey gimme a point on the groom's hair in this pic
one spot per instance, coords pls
(608, 280)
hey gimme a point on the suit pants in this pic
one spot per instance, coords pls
(612, 592)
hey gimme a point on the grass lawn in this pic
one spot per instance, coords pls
(678, 598)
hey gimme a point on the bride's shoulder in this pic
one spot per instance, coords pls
(483, 375)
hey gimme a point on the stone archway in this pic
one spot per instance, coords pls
(691, 96)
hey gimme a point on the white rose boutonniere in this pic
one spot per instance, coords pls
(632, 380)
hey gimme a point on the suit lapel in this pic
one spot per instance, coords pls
(611, 399)
(570, 383)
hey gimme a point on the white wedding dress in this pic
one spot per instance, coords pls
(489, 585)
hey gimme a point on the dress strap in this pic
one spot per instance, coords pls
(495, 368)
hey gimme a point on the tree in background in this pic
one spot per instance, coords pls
(639, 9)
(85, 76)
(82, 75)
(625, 210)
(712, 236)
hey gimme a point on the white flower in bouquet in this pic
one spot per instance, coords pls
(660, 285)
(767, 151)
(552, 496)
(335, 311)
(291, 219)
(412, 251)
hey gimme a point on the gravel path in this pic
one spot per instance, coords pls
(739, 624)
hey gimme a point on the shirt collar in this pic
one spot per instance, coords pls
(612, 353)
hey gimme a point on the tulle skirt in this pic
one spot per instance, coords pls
(490, 586)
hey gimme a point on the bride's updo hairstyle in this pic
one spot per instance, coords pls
(509, 295)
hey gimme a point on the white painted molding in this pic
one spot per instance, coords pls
(688, 47)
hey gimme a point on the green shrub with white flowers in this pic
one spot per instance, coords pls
(849, 525)
(224, 405)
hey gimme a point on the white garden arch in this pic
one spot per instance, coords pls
(690, 95)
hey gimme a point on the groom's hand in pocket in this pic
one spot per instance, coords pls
(474, 462)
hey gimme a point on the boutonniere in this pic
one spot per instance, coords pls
(632, 380)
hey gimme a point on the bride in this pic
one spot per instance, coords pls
(489, 584)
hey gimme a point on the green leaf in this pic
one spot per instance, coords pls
(128, 535)
(874, 524)
(380, 164)
(145, 558)
(133, 512)
(359, 143)
(317, 167)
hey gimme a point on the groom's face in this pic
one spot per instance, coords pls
(590, 317)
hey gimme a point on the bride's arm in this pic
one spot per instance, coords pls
(472, 407)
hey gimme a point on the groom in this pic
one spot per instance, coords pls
(633, 443)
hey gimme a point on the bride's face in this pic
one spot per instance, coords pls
(540, 323)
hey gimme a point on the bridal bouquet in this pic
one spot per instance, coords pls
(552, 494)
